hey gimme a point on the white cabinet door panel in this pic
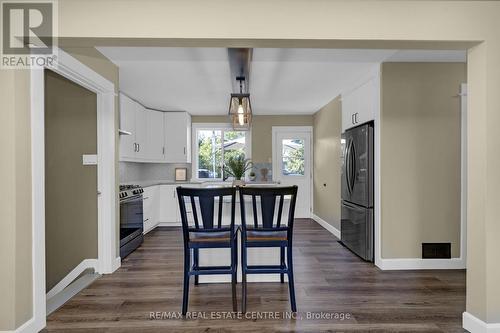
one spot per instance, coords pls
(151, 207)
(155, 135)
(127, 123)
(141, 131)
(169, 207)
(177, 137)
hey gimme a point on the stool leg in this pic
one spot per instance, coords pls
(282, 262)
(196, 258)
(291, 285)
(185, 292)
(243, 278)
(234, 277)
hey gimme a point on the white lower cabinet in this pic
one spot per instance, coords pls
(151, 207)
(169, 208)
(160, 205)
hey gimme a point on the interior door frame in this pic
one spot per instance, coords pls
(107, 260)
(298, 129)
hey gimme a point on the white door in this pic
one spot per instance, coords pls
(292, 164)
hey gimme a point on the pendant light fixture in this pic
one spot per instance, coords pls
(240, 109)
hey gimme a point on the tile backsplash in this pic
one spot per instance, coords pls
(133, 171)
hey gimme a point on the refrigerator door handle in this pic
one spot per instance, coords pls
(348, 166)
(352, 175)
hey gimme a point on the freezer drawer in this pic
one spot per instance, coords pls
(356, 228)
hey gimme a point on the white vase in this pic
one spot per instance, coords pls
(238, 182)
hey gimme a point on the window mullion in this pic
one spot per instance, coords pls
(222, 154)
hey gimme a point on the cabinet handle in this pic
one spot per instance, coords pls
(138, 147)
(356, 117)
(184, 150)
(352, 119)
(163, 150)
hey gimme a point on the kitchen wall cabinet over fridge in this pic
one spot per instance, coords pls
(360, 104)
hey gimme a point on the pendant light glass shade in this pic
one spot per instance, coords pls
(240, 111)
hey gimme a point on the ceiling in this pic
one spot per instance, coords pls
(282, 81)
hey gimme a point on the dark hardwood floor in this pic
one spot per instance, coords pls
(330, 280)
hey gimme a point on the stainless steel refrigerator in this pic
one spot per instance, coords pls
(357, 218)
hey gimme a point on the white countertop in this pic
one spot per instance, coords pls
(205, 184)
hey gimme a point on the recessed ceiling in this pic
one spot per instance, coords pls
(283, 81)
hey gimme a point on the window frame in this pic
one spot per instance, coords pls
(223, 127)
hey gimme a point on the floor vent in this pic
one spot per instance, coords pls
(436, 250)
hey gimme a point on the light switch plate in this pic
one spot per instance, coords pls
(89, 159)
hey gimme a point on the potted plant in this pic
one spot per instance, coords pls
(236, 166)
(252, 176)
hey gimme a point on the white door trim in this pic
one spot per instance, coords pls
(308, 129)
(108, 262)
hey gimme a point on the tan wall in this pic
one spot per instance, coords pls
(15, 251)
(389, 24)
(420, 157)
(262, 131)
(100, 64)
(8, 208)
(24, 289)
(70, 187)
(327, 163)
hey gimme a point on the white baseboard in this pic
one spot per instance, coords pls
(116, 264)
(70, 291)
(28, 327)
(418, 263)
(476, 325)
(85, 264)
(326, 225)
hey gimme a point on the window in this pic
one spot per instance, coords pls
(213, 146)
(293, 157)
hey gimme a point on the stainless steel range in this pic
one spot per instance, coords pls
(131, 219)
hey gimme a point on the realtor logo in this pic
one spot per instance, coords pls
(27, 34)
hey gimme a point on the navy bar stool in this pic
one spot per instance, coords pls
(207, 234)
(268, 231)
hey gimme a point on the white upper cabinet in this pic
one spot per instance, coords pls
(154, 136)
(127, 124)
(141, 132)
(177, 137)
(361, 103)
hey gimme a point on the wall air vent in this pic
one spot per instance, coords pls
(436, 250)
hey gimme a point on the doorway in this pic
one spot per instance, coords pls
(107, 260)
(292, 156)
(70, 186)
